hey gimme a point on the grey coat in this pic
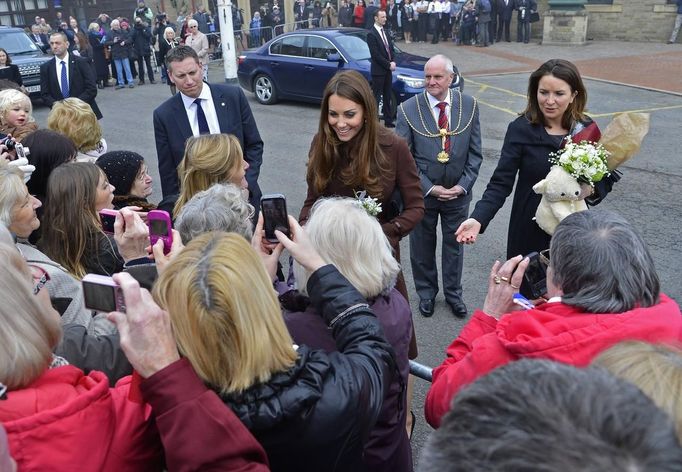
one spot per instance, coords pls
(66, 290)
(465, 148)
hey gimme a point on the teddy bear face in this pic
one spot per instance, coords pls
(559, 185)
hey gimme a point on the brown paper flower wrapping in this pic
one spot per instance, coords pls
(623, 137)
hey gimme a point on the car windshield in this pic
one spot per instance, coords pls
(355, 44)
(18, 43)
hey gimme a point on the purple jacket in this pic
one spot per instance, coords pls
(388, 448)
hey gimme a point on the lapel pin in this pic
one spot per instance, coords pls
(222, 104)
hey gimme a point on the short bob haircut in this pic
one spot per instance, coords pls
(368, 162)
(10, 98)
(655, 368)
(75, 119)
(209, 159)
(12, 189)
(602, 264)
(345, 235)
(220, 208)
(168, 29)
(29, 334)
(568, 72)
(544, 416)
(49, 149)
(9, 59)
(225, 315)
(70, 224)
(93, 26)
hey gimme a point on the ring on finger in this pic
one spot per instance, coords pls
(504, 279)
(515, 287)
(497, 279)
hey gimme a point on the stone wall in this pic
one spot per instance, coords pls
(625, 20)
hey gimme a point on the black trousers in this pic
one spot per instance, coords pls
(422, 26)
(503, 24)
(382, 87)
(141, 61)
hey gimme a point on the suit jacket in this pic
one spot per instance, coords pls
(381, 62)
(82, 82)
(505, 11)
(43, 43)
(172, 128)
(465, 148)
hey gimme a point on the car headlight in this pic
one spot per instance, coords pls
(412, 82)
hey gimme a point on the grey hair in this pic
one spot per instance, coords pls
(549, 417)
(5, 235)
(601, 264)
(12, 188)
(449, 66)
(220, 208)
(345, 235)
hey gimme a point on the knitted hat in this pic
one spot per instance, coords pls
(121, 168)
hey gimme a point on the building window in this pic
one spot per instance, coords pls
(3, 6)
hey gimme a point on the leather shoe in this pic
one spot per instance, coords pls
(426, 307)
(459, 309)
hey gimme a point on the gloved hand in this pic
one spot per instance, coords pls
(25, 167)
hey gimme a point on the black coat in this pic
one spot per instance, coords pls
(100, 61)
(318, 414)
(11, 73)
(142, 40)
(121, 43)
(505, 11)
(380, 59)
(82, 82)
(525, 152)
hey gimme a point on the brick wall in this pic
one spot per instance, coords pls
(625, 20)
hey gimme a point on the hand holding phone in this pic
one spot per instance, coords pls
(275, 216)
(160, 227)
(107, 218)
(534, 283)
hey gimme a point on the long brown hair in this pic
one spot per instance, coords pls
(368, 161)
(568, 72)
(70, 224)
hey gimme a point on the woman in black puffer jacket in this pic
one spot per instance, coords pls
(311, 410)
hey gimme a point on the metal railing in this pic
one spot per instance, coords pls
(422, 371)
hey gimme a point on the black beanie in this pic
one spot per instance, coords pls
(121, 168)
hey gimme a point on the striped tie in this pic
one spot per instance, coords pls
(443, 124)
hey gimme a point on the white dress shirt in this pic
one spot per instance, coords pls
(209, 110)
(58, 68)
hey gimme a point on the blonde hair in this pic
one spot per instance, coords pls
(209, 159)
(29, 333)
(655, 368)
(168, 30)
(75, 119)
(345, 235)
(11, 97)
(93, 26)
(224, 312)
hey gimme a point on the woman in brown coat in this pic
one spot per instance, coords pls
(353, 153)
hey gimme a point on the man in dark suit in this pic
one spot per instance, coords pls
(67, 75)
(505, 8)
(442, 129)
(198, 109)
(370, 12)
(41, 40)
(382, 65)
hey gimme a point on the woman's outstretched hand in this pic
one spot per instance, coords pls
(269, 252)
(468, 231)
(299, 246)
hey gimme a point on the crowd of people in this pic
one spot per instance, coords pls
(212, 357)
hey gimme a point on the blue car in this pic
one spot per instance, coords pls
(298, 65)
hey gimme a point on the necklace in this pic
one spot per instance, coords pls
(441, 133)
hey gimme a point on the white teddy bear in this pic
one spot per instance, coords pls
(560, 197)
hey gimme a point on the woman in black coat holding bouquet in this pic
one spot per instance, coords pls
(556, 104)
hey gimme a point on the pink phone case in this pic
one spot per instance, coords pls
(157, 220)
(108, 213)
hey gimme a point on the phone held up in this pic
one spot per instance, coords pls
(108, 218)
(534, 283)
(275, 216)
(101, 293)
(160, 227)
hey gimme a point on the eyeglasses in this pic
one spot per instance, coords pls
(544, 257)
(40, 278)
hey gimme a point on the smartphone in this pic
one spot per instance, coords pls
(160, 227)
(534, 283)
(275, 216)
(108, 218)
(101, 293)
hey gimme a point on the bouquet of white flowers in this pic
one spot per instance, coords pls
(369, 204)
(585, 161)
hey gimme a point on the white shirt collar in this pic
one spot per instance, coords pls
(433, 101)
(204, 95)
(66, 59)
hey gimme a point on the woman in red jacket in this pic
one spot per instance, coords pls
(56, 417)
(359, 14)
(602, 288)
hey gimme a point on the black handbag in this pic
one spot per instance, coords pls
(534, 17)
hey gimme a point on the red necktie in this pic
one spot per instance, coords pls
(383, 38)
(443, 124)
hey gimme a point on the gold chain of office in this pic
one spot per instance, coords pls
(442, 133)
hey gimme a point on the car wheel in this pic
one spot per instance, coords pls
(264, 88)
